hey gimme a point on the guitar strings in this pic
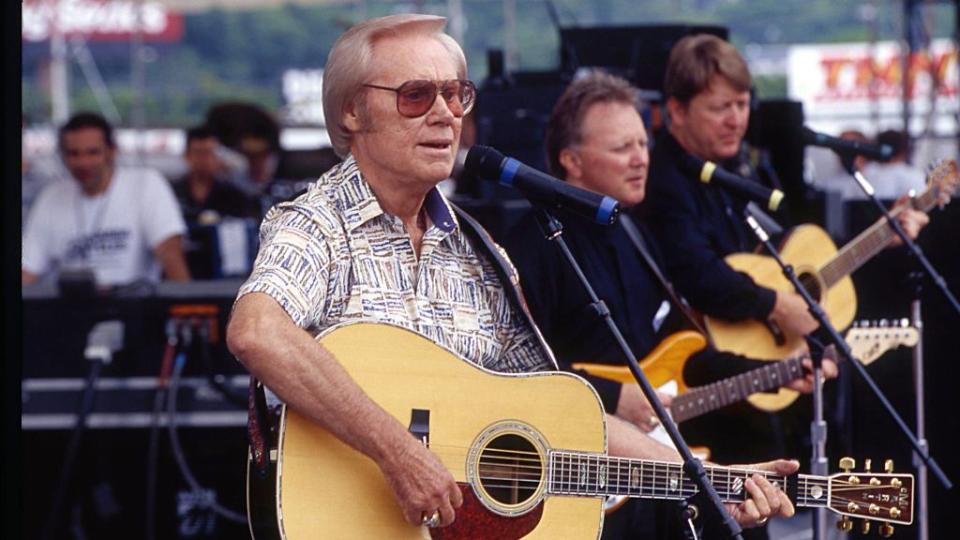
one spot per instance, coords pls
(663, 476)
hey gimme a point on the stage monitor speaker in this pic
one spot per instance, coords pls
(511, 115)
(638, 53)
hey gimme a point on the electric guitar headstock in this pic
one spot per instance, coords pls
(883, 497)
(868, 340)
(943, 179)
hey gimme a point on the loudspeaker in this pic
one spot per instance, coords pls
(637, 53)
(775, 126)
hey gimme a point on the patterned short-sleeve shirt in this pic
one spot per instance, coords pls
(333, 256)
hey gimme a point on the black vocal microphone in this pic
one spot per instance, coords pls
(709, 173)
(847, 148)
(485, 162)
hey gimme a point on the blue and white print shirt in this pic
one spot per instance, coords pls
(333, 256)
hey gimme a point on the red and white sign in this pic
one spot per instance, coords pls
(849, 85)
(100, 20)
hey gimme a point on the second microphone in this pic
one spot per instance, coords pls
(539, 187)
(709, 172)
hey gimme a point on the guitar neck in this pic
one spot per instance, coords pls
(588, 475)
(868, 243)
(711, 397)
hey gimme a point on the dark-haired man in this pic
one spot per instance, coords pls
(122, 223)
(203, 196)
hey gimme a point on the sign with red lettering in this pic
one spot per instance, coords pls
(851, 81)
(100, 20)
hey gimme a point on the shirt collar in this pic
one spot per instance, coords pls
(359, 204)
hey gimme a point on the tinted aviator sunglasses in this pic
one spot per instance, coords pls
(415, 98)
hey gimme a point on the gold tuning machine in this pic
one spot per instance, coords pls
(845, 524)
(847, 464)
(886, 530)
(867, 464)
(865, 527)
(888, 466)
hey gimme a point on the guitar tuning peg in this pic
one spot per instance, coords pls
(904, 323)
(888, 466)
(847, 464)
(884, 323)
(867, 463)
(886, 530)
(845, 524)
(865, 527)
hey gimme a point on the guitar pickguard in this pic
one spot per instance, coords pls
(476, 522)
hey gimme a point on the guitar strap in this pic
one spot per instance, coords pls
(636, 238)
(505, 271)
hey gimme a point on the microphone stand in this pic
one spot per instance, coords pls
(916, 320)
(818, 426)
(921, 454)
(827, 329)
(693, 467)
(105, 338)
(895, 225)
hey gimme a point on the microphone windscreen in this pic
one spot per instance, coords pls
(484, 162)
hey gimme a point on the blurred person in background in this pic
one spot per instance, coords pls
(121, 223)
(251, 132)
(839, 180)
(204, 195)
(893, 178)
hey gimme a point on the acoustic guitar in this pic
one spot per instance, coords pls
(528, 452)
(824, 271)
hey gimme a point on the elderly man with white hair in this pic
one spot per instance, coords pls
(374, 240)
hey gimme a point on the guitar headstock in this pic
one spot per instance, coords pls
(868, 340)
(943, 180)
(884, 497)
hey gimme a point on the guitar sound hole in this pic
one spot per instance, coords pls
(510, 469)
(811, 284)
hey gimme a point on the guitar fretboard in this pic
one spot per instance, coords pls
(868, 243)
(711, 397)
(581, 474)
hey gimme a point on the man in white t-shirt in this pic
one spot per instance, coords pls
(122, 223)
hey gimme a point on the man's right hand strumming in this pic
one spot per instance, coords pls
(421, 484)
(791, 314)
